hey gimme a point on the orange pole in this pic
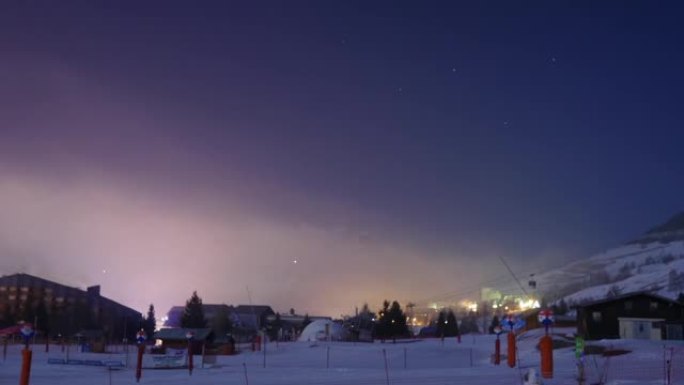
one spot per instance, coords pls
(546, 349)
(25, 366)
(138, 366)
(511, 350)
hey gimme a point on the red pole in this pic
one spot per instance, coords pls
(497, 351)
(511, 350)
(25, 366)
(138, 367)
(546, 349)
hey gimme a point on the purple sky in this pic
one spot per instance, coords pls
(394, 150)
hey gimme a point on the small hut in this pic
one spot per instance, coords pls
(177, 338)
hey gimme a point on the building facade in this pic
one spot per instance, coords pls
(635, 315)
(60, 310)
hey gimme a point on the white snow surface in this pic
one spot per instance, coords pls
(428, 362)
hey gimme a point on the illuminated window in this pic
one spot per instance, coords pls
(596, 316)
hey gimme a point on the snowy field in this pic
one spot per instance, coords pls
(429, 362)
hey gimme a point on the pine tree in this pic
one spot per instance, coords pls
(150, 323)
(451, 327)
(193, 315)
(397, 321)
(495, 322)
(469, 323)
(441, 322)
(382, 329)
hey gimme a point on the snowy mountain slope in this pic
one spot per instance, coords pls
(644, 264)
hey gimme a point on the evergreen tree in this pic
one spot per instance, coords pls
(451, 326)
(383, 326)
(392, 321)
(193, 315)
(398, 326)
(495, 322)
(441, 322)
(150, 322)
(365, 319)
(469, 323)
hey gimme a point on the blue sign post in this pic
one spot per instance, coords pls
(27, 332)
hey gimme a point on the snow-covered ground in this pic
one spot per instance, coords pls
(419, 362)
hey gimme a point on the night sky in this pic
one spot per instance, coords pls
(392, 149)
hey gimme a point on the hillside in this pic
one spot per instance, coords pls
(653, 262)
(672, 230)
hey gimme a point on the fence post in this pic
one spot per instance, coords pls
(244, 365)
(384, 354)
(404, 357)
(669, 367)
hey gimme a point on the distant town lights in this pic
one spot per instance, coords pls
(529, 303)
(471, 306)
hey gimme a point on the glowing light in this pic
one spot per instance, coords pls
(470, 305)
(528, 303)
